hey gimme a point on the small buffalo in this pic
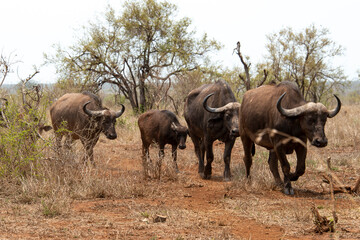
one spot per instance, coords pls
(161, 127)
(82, 116)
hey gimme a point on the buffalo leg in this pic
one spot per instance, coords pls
(227, 158)
(89, 149)
(161, 157)
(247, 145)
(174, 155)
(199, 151)
(58, 138)
(89, 153)
(273, 164)
(300, 165)
(209, 159)
(285, 166)
(68, 141)
(145, 159)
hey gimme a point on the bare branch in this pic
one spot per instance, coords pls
(26, 104)
(5, 67)
(332, 191)
(246, 67)
(264, 78)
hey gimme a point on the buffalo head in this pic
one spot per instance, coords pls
(106, 118)
(229, 115)
(181, 134)
(312, 118)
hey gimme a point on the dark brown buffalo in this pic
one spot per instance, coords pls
(207, 124)
(277, 117)
(84, 116)
(161, 127)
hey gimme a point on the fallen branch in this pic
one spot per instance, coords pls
(328, 161)
(339, 188)
(322, 224)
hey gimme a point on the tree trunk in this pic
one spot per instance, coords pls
(142, 96)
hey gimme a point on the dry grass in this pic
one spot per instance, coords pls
(343, 131)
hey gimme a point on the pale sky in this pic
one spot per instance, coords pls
(30, 28)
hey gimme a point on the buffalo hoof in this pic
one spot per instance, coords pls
(289, 191)
(176, 169)
(227, 176)
(205, 176)
(227, 179)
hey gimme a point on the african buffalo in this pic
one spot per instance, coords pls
(207, 124)
(278, 118)
(161, 127)
(84, 116)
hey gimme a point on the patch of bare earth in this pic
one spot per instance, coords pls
(193, 208)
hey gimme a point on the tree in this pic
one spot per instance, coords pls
(141, 49)
(305, 58)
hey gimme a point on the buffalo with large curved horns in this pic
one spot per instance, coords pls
(83, 117)
(207, 124)
(278, 118)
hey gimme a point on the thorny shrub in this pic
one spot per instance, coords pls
(20, 151)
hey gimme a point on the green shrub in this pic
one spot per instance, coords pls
(20, 150)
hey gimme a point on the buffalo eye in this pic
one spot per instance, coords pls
(227, 116)
(311, 120)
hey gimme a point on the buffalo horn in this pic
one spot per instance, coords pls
(173, 126)
(335, 111)
(231, 105)
(293, 112)
(92, 113)
(119, 113)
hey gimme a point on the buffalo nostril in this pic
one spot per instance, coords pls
(235, 131)
(320, 142)
(112, 136)
(182, 146)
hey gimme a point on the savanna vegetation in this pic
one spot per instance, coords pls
(150, 58)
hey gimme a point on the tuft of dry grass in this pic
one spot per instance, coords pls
(344, 129)
(261, 177)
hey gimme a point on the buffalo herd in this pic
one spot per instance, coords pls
(276, 117)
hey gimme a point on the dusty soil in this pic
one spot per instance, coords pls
(194, 208)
